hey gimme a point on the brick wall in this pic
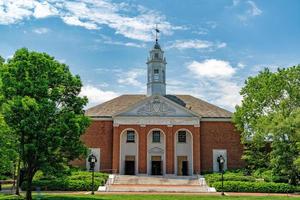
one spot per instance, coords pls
(99, 135)
(220, 135)
(209, 136)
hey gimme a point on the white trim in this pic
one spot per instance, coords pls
(116, 125)
(154, 120)
(164, 148)
(221, 119)
(121, 153)
(95, 118)
(192, 149)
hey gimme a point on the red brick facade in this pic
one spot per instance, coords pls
(220, 135)
(209, 136)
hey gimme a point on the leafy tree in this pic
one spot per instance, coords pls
(42, 107)
(269, 115)
(7, 141)
(8, 152)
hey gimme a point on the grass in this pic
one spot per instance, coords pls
(149, 197)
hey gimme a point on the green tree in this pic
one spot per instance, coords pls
(7, 141)
(269, 115)
(42, 107)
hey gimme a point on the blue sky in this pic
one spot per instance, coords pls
(211, 46)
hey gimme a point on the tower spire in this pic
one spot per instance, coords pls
(156, 33)
(156, 69)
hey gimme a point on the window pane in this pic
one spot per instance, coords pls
(156, 71)
(155, 136)
(130, 136)
(182, 136)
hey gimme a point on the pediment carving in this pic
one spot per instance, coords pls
(156, 107)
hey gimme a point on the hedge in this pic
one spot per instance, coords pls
(212, 178)
(264, 187)
(77, 181)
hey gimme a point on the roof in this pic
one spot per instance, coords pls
(118, 104)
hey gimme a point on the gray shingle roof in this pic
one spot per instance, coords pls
(116, 105)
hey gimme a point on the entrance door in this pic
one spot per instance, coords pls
(129, 165)
(156, 165)
(184, 168)
(156, 168)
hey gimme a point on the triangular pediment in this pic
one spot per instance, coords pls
(157, 105)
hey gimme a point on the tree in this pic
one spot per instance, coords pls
(42, 107)
(7, 141)
(269, 121)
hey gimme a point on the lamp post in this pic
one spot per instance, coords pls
(92, 160)
(221, 162)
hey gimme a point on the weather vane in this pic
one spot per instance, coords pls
(156, 32)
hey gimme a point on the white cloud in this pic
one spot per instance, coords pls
(241, 65)
(221, 45)
(254, 10)
(91, 14)
(228, 94)
(108, 40)
(96, 95)
(194, 44)
(41, 30)
(44, 9)
(190, 44)
(132, 77)
(211, 68)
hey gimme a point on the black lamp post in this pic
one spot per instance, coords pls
(92, 160)
(221, 162)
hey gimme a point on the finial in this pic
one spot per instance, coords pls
(156, 32)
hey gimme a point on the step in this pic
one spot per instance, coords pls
(157, 188)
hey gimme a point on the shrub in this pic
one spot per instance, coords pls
(77, 181)
(265, 187)
(229, 176)
(269, 176)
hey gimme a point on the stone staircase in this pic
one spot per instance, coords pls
(144, 183)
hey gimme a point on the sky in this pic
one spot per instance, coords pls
(211, 46)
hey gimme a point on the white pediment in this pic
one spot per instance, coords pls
(157, 106)
(156, 150)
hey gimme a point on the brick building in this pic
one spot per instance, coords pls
(158, 133)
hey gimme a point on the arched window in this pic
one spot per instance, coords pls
(156, 136)
(130, 137)
(181, 137)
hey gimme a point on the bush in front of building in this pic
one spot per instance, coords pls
(268, 176)
(264, 187)
(76, 181)
(228, 176)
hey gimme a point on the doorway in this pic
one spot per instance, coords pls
(182, 166)
(156, 165)
(129, 165)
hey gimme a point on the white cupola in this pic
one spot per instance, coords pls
(156, 71)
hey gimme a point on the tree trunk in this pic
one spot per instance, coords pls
(29, 185)
(18, 176)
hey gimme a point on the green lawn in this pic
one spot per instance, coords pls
(150, 197)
